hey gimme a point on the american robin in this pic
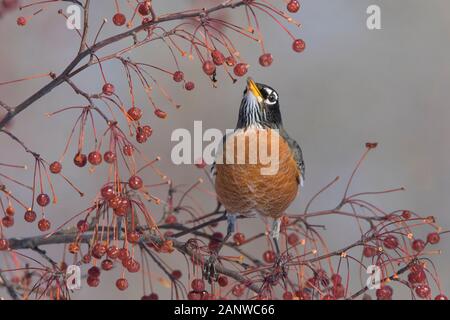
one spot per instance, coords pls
(241, 184)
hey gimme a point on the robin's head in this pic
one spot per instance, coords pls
(259, 107)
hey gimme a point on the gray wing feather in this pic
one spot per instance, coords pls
(297, 152)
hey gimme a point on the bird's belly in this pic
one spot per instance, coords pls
(268, 187)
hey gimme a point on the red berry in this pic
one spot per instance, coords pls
(108, 89)
(95, 158)
(152, 296)
(80, 160)
(239, 238)
(433, 238)
(21, 21)
(338, 291)
(218, 57)
(198, 285)
(94, 272)
(133, 237)
(406, 214)
(288, 295)
(390, 242)
(178, 76)
(441, 297)
(10, 211)
(384, 293)
(369, 251)
(55, 167)
(8, 221)
(4, 244)
(194, 296)
(209, 67)
(418, 245)
(238, 290)
(269, 256)
(135, 183)
(93, 282)
(30, 216)
(82, 226)
(171, 219)
(240, 69)
(176, 274)
(189, 86)
(266, 60)
(160, 114)
(417, 277)
(119, 19)
(293, 6)
(107, 192)
(44, 225)
(293, 239)
(135, 113)
(299, 45)
(144, 8)
(112, 252)
(223, 281)
(128, 150)
(336, 279)
(107, 264)
(43, 199)
(109, 157)
(303, 295)
(423, 291)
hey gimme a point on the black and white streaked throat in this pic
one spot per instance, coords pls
(259, 107)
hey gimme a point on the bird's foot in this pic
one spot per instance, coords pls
(209, 268)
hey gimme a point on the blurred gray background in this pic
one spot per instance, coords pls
(350, 86)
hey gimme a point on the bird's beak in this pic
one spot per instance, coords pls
(251, 86)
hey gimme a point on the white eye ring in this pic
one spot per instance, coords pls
(269, 94)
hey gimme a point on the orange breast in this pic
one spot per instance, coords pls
(246, 180)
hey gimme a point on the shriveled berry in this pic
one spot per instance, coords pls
(299, 45)
(108, 89)
(160, 114)
(128, 150)
(80, 160)
(82, 226)
(369, 251)
(148, 131)
(293, 239)
(109, 156)
(135, 113)
(43, 199)
(119, 19)
(55, 167)
(44, 225)
(95, 158)
(74, 248)
(112, 252)
(107, 264)
(178, 76)
(21, 21)
(94, 272)
(230, 61)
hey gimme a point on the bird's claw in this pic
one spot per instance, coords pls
(209, 268)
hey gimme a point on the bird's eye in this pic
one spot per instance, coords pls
(271, 99)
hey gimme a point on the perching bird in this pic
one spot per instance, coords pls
(241, 186)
